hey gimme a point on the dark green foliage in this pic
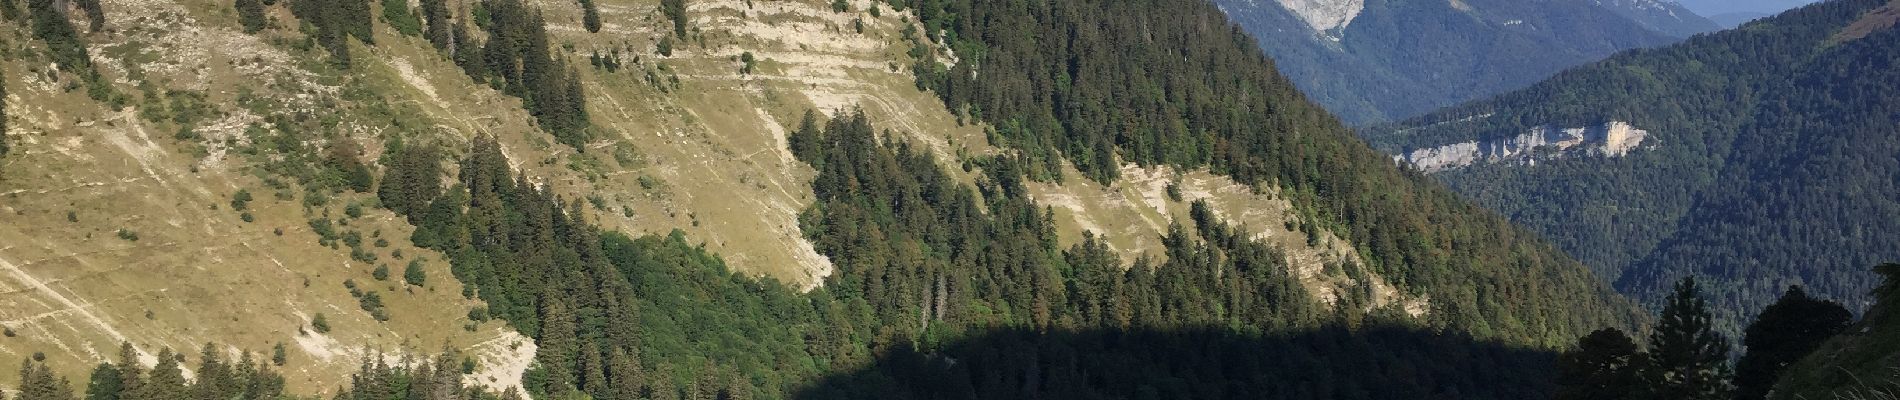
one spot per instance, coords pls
(251, 15)
(590, 16)
(412, 180)
(1771, 166)
(381, 273)
(397, 14)
(1687, 359)
(9, 10)
(214, 378)
(1336, 363)
(332, 22)
(105, 383)
(241, 201)
(923, 263)
(1157, 82)
(518, 59)
(344, 167)
(1859, 363)
(435, 13)
(1603, 366)
(321, 324)
(95, 14)
(413, 273)
(675, 10)
(277, 355)
(1784, 333)
(68, 49)
(37, 382)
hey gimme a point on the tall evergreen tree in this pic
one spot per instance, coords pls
(590, 16)
(95, 14)
(1688, 360)
(1785, 332)
(104, 383)
(69, 50)
(251, 15)
(1602, 367)
(37, 382)
(435, 13)
(557, 344)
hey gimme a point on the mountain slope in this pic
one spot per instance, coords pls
(1236, 204)
(1389, 59)
(1693, 193)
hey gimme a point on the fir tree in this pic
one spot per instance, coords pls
(104, 383)
(37, 382)
(413, 274)
(675, 10)
(1602, 367)
(251, 15)
(95, 14)
(1784, 333)
(557, 343)
(1688, 360)
(435, 13)
(590, 16)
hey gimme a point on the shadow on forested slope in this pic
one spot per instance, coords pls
(1370, 363)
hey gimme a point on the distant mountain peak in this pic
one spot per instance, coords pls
(1325, 15)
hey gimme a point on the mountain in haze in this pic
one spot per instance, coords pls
(1379, 60)
(1756, 158)
(725, 199)
(1720, 7)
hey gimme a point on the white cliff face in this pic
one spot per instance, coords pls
(1614, 139)
(1325, 15)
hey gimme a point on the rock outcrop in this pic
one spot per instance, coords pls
(1613, 139)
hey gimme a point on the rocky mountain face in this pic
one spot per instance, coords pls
(1753, 158)
(1543, 143)
(1380, 60)
(1666, 16)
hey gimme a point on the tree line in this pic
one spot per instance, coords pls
(1687, 357)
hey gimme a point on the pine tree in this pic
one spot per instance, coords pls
(1785, 332)
(593, 372)
(95, 14)
(37, 382)
(590, 16)
(131, 372)
(167, 379)
(413, 179)
(435, 13)
(557, 343)
(675, 10)
(278, 356)
(1602, 367)
(1688, 360)
(628, 381)
(251, 15)
(104, 383)
(69, 51)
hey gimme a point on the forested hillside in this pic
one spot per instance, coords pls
(1765, 169)
(1394, 59)
(354, 182)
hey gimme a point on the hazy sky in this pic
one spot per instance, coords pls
(1717, 7)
